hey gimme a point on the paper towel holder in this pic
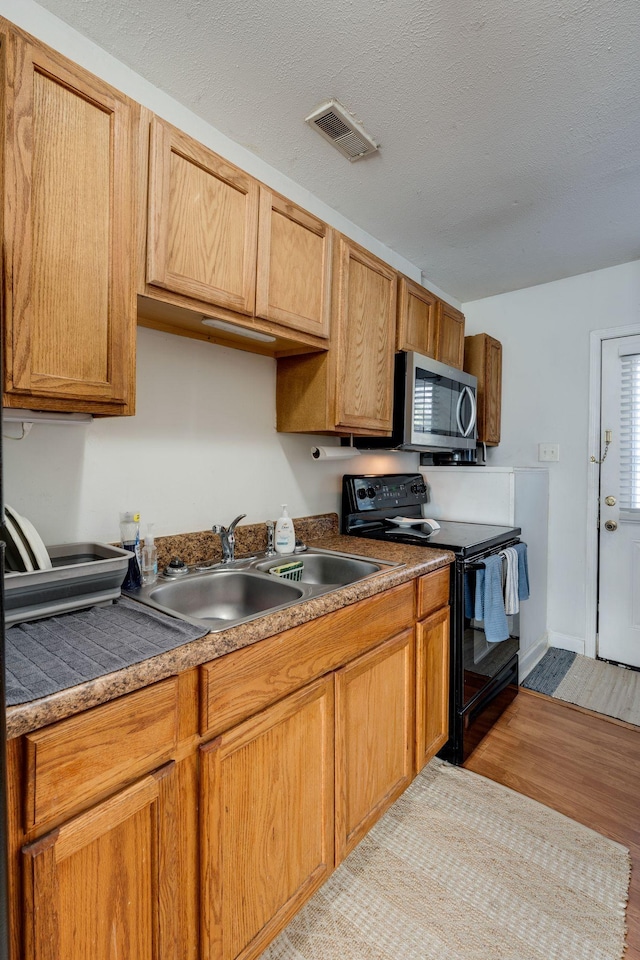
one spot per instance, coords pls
(334, 453)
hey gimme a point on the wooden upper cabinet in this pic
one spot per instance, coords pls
(483, 359)
(69, 234)
(417, 318)
(202, 222)
(294, 266)
(450, 336)
(365, 317)
(348, 389)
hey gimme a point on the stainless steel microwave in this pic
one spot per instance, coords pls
(434, 408)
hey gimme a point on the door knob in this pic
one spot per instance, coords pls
(611, 525)
(610, 501)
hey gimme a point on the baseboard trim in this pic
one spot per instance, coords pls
(532, 657)
(566, 642)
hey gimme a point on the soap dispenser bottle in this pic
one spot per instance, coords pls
(285, 534)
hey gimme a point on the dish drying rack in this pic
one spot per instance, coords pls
(292, 570)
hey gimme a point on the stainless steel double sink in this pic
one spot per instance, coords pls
(225, 595)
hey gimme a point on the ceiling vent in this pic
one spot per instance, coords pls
(336, 125)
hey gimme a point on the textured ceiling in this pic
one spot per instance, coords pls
(509, 131)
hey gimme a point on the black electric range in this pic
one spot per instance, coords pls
(484, 675)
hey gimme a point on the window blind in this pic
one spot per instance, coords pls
(630, 436)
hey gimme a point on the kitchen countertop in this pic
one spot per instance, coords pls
(416, 561)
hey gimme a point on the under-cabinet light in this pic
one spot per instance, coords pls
(239, 331)
(13, 415)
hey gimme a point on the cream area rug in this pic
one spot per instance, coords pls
(603, 687)
(461, 868)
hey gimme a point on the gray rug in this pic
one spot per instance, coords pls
(462, 868)
(594, 684)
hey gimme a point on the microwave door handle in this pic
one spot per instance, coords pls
(474, 410)
(459, 412)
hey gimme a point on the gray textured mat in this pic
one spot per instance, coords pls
(550, 672)
(46, 656)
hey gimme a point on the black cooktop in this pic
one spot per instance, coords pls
(462, 538)
(371, 503)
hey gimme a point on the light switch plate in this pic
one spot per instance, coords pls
(549, 451)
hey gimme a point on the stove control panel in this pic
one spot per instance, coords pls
(384, 492)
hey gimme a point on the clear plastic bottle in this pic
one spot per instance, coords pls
(149, 557)
(130, 536)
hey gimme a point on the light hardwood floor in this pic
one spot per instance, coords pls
(580, 763)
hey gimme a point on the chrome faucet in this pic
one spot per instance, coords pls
(228, 538)
(270, 551)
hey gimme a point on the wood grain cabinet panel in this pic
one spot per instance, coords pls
(450, 336)
(348, 389)
(483, 358)
(294, 266)
(417, 318)
(433, 592)
(374, 737)
(103, 884)
(266, 821)
(202, 222)
(432, 686)
(69, 232)
(249, 679)
(76, 760)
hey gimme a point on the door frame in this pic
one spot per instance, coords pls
(593, 477)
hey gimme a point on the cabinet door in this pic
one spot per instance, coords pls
(450, 339)
(294, 266)
(374, 737)
(483, 358)
(432, 686)
(70, 309)
(492, 392)
(103, 884)
(202, 222)
(267, 821)
(364, 342)
(417, 318)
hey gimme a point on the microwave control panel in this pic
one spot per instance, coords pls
(384, 492)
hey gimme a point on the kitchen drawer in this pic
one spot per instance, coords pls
(241, 683)
(75, 761)
(433, 592)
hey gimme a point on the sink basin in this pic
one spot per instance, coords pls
(326, 568)
(223, 595)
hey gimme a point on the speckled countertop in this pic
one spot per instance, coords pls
(319, 531)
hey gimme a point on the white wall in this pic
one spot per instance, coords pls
(544, 332)
(201, 448)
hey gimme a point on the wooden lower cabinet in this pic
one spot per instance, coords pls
(133, 835)
(374, 737)
(103, 885)
(432, 686)
(266, 821)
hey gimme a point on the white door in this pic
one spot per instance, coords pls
(619, 562)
